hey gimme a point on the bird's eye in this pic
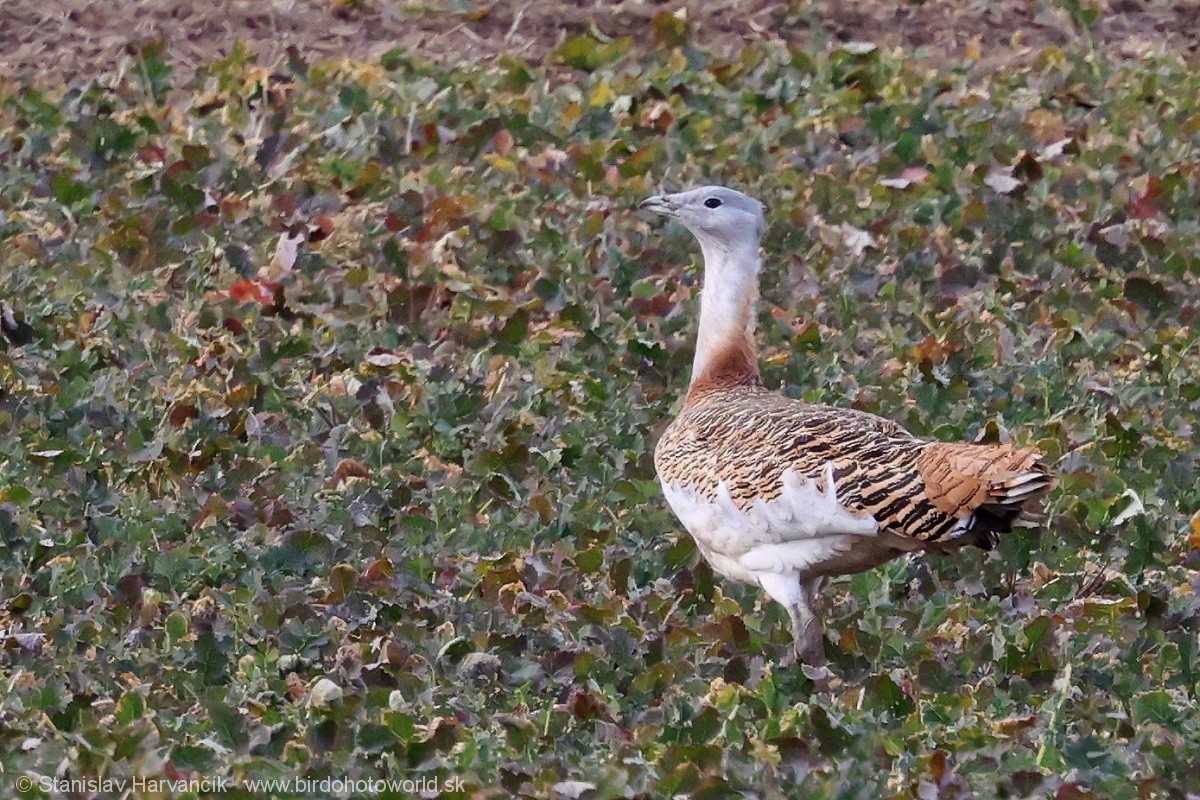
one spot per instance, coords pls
(712, 202)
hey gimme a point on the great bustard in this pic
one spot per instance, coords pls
(780, 493)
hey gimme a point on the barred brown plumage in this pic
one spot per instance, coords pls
(747, 436)
(782, 493)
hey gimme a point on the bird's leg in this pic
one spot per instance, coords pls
(806, 628)
(808, 643)
(796, 595)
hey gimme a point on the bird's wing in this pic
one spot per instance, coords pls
(768, 456)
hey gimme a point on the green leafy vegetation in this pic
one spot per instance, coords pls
(326, 440)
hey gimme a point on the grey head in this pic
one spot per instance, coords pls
(718, 217)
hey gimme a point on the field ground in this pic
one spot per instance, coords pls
(60, 41)
(328, 393)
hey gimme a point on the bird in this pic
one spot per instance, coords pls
(784, 494)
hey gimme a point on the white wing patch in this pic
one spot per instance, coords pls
(803, 527)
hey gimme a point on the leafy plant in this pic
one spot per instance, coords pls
(330, 423)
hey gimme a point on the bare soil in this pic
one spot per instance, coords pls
(63, 41)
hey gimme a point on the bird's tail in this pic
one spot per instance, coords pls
(992, 487)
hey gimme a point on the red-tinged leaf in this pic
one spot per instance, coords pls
(320, 228)
(430, 134)
(444, 210)
(584, 705)
(238, 396)
(1071, 791)
(1145, 203)
(1128, 306)
(852, 125)
(659, 305)
(350, 468)
(393, 652)
(380, 571)
(152, 154)
(937, 767)
(446, 577)
(1027, 168)
(178, 168)
(181, 413)
(1012, 726)
(284, 203)
(249, 291)
(658, 116)
(214, 507)
(277, 515)
(243, 513)
(932, 351)
(502, 142)
(234, 326)
(232, 208)
(277, 303)
(295, 687)
(394, 222)
(129, 589)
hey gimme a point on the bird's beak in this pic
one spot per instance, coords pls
(659, 204)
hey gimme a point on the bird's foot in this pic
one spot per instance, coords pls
(824, 679)
(808, 646)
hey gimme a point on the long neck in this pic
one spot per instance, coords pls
(725, 352)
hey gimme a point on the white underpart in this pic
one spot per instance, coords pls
(772, 544)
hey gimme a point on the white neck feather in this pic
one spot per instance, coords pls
(728, 301)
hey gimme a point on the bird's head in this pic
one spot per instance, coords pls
(720, 218)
